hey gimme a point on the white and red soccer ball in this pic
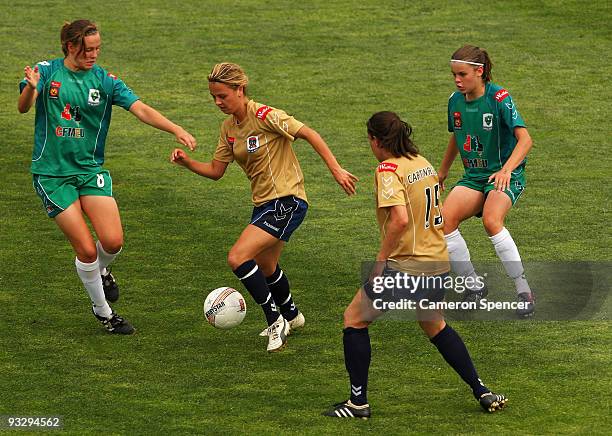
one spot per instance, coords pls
(224, 308)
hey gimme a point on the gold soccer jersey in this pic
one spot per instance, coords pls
(413, 183)
(262, 146)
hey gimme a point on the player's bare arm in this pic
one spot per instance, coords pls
(213, 170)
(447, 161)
(345, 179)
(524, 143)
(29, 94)
(395, 228)
(150, 116)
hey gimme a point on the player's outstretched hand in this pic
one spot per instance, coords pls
(179, 157)
(32, 75)
(345, 179)
(185, 138)
(501, 180)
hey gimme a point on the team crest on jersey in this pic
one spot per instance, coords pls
(387, 166)
(457, 120)
(487, 121)
(252, 144)
(94, 97)
(112, 76)
(54, 89)
(501, 95)
(263, 112)
(231, 140)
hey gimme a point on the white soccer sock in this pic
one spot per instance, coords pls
(511, 259)
(89, 273)
(104, 258)
(460, 257)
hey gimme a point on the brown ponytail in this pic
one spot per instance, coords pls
(471, 53)
(392, 133)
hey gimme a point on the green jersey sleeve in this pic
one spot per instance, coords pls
(121, 94)
(508, 113)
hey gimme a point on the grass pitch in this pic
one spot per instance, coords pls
(331, 64)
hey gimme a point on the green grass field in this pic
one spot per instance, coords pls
(331, 64)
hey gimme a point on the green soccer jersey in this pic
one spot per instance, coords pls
(73, 114)
(484, 129)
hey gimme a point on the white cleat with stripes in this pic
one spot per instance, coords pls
(277, 335)
(295, 324)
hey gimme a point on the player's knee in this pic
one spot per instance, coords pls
(353, 319)
(432, 327)
(87, 254)
(234, 259)
(492, 224)
(451, 223)
(112, 246)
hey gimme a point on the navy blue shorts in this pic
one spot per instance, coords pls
(280, 217)
(395, 286)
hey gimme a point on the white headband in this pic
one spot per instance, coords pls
(467, 62)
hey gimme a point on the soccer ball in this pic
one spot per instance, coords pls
(224, 308)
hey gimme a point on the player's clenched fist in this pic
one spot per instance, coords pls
(179, 157)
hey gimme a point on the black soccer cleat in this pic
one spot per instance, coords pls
(492, 402)
(346, 409)
(526, 307)
(115, 324)
(475, 295)
(111, 290)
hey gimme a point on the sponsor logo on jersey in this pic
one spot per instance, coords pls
(94, 97)
(487, 121)
(387, 166)
(501, 95)
(70, 113)
(252, 144)
(475, 163)
(54, 89)
(263, 112)
(69, 132)
(231, 140)
(457, 120)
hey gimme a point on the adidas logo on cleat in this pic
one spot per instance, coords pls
(346, 409)
(492, 402)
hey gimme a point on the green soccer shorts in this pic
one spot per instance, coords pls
(57, 193)
(517, 184)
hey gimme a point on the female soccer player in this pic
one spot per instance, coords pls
(74, 98)
(260, 138)
(490, 135)
(412, 264)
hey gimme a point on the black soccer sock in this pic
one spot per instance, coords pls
(254, 281)
(451, 347)
(279, 287)
(357, 355)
